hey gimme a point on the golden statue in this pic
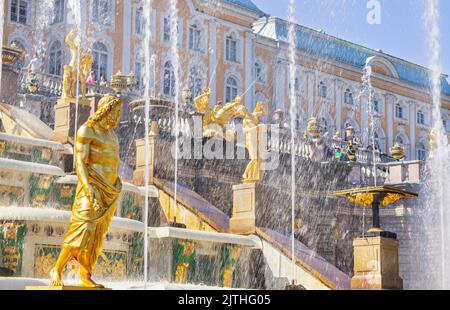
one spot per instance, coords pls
(253, 143)
(70, 70)
(97, 163)
(215, 120)
(86, 61)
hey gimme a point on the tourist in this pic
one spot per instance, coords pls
(36, 64)
(91, 79)
(339, 155)
(103, 81)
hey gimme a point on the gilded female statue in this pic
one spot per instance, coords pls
(97, 163)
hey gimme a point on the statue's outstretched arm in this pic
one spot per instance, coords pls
(70, 36)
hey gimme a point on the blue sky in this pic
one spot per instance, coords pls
(401, 33)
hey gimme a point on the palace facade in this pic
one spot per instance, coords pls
(237, 49)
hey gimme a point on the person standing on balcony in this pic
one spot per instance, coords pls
(91, 79)
(36, 64)
(103, 81)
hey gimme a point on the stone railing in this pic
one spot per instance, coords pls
(51, 85)
(39, 83)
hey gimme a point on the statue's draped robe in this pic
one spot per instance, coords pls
(90, 223)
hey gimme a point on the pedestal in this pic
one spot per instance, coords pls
(32, 103)
(65, 111)
(243, 221)
(376, 264)
(8, 92)
(64, 288)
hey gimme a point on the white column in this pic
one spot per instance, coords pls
(339, 98)
(390, 100)
(412, 130)
(311, 76)
(249, 69)
(127, 22)
(213, 60)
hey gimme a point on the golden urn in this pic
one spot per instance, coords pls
(132, 80)
(398, 152)
(11, 54)
(119, 82)
(313, 128)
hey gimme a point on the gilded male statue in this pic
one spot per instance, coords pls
(252, 128)
(97, 163)
(70, 71)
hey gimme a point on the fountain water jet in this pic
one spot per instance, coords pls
(148, 61)
(438, 180)
(175, 58)
(2, 19)
(43, 21)
(293, 117)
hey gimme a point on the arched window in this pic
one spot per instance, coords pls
(196, 81)
(169, 79)
(55, 59)
(399, 140)
(100, 65)
(398, 111)
(380, 140)
(58, 11)
(421, 151)
(19, 11)
(231, 89)
(139, 21)
(101, 11)
(322, 90)
(348, 97)
(420, 118)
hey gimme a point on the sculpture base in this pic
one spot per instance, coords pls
(65, 111)
(243, 221)
(376, 264)
(65, 288)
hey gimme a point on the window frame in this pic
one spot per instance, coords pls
(195, 35)
(54, 55)
(322, 90)
(230, 39)
(230, 89)
(348, 94)
(109, 20)
(168, 67)
(59, 12)
(17, 10)
(103, 55)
